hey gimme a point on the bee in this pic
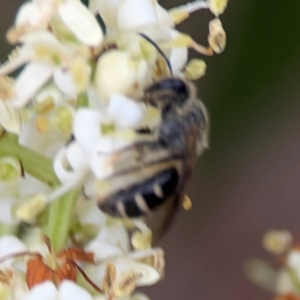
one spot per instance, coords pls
(154, 183)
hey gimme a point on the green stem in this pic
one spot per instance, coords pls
(33, 163)
(60, 218)
(60, 212)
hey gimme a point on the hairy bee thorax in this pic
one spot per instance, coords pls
(181, 112)
(163, 166)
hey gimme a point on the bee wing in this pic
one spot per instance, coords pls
(163, 216)
(136, 164)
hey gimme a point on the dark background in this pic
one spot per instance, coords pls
(248, 181)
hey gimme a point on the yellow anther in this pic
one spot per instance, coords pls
(195, 69)
(31, 208)
(41, 123)
(187, 203)
(142, 240)
(126, 284)
(182, 40)
(44, 106)
(217, 36)
(217, 7)
(178, 16)
(109, 277)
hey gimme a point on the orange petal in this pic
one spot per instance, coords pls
(37, 272)
(74, 254)
(66, 271)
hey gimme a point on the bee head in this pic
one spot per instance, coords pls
(166, 93)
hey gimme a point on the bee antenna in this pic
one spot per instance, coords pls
(147, 38)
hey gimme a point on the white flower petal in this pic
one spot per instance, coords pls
(45, 291)
(19, 286)
(29, 82)
(163, 17)
(29, 137)
(94, 101)
(103, 250)
(6, 217)
(117, 73)
(61, 164)
(133, 14)
(70, 290)
(115, 235)
(178, 56)
(102, 297)
(46, 143)
(63, 80)
(89, 213)
(149, 275)
(139, 296)
(22, 56)
(284, 285)
(124, 111)
(178, 59)
(76, 157)
(9, 117)
(10, 245)
(87, 128)
(29, 13)
(293, 261)
(102, 164)
(118, 140)
(50, 91)
(81, 22)
(108, 11)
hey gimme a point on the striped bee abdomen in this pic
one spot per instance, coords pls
(141, 198)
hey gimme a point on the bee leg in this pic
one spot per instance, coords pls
(140, 199)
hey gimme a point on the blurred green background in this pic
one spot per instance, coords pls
(248, 181)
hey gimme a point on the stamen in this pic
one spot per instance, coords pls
(158, 50)
(191, 6)
(86, 277)
(74, 183)
(18, 254)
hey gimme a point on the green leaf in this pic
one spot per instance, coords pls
(33, 163)
(60, 216)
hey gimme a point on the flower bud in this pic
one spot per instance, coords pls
(10, 169)
(117, 73)
(217, 7)
(217, 36)
(195, 69)
(277, 241)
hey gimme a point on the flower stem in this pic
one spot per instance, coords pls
(33, 163)
(59, 220)
(60, 212)
(191, 6)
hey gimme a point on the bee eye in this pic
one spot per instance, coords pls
(168, 92)
(176, 85)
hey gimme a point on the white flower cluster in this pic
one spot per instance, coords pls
(285, 281)
(107, 259)
(70, 93)
(78, 82)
